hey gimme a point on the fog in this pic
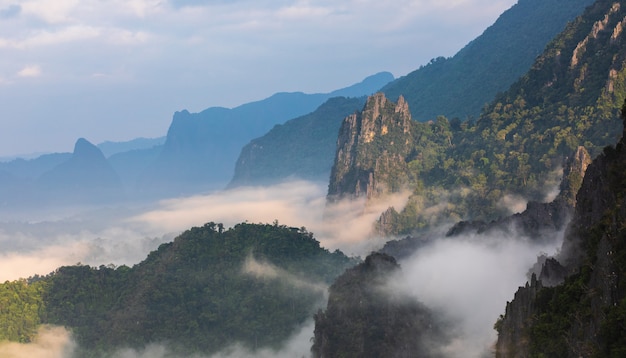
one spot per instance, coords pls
(267, 271)
(57, 342)
(51, 342)
(468, 279)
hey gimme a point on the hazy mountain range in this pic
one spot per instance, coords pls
(200, 151)
(439, 198)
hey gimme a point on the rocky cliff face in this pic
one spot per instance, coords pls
(371, 150)
(364, 320)
(539, 218)
(584, 314)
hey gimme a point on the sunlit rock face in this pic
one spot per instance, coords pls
(371, 151)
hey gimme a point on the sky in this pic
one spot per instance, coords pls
(119, 69)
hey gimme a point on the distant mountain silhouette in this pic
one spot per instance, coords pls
(86, 177)
(201, 148)
(110, 148)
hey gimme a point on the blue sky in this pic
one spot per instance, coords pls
(119, 69)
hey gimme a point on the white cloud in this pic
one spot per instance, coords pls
(346, 225)
(50, 342)
(30, 71)
(51, 11)
(194, 54)
(303, 10)
(51, 38)
(469, 280)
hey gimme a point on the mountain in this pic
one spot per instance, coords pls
(17, 178)
(300, 148)
(211, 288)
(576, 304)
(201, 148)
(371, 148)
(110, 148)
(461, 85)
(86, 177)
(454, 87)
(131, 166)
(364, 319)
(570, 97)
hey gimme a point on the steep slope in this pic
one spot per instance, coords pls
(461, 85)
(302, 148)
(201, 148)
(570, 98)
(455, 87)
(363, 319)
(371, 148)
(585, 314)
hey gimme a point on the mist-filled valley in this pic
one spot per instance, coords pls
(468, 279)
(471, 208)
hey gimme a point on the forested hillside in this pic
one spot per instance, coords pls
(576, 305)
(210, 288)
(571, 97)
(459, 87)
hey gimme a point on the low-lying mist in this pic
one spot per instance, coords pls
(57, 342)
(468, 279)
(125, 235)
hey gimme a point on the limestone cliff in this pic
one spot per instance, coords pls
(584, 315)
(371, 150)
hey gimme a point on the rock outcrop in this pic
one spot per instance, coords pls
(538, 218)
(364, 319)
(584, 315)
(371, 151)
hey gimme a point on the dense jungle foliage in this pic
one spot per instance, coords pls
(571, 97)
(209, 288)
(459, 86)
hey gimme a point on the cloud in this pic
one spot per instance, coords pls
(346, 225)
(50, 342)
(267, 271)
(57, 342)
(298, 345)
(14, 265)
(124, 236)
(30, 71)
(50, 38)
(195, 54)
(469, 280)
(41, 247)
(51, 11)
